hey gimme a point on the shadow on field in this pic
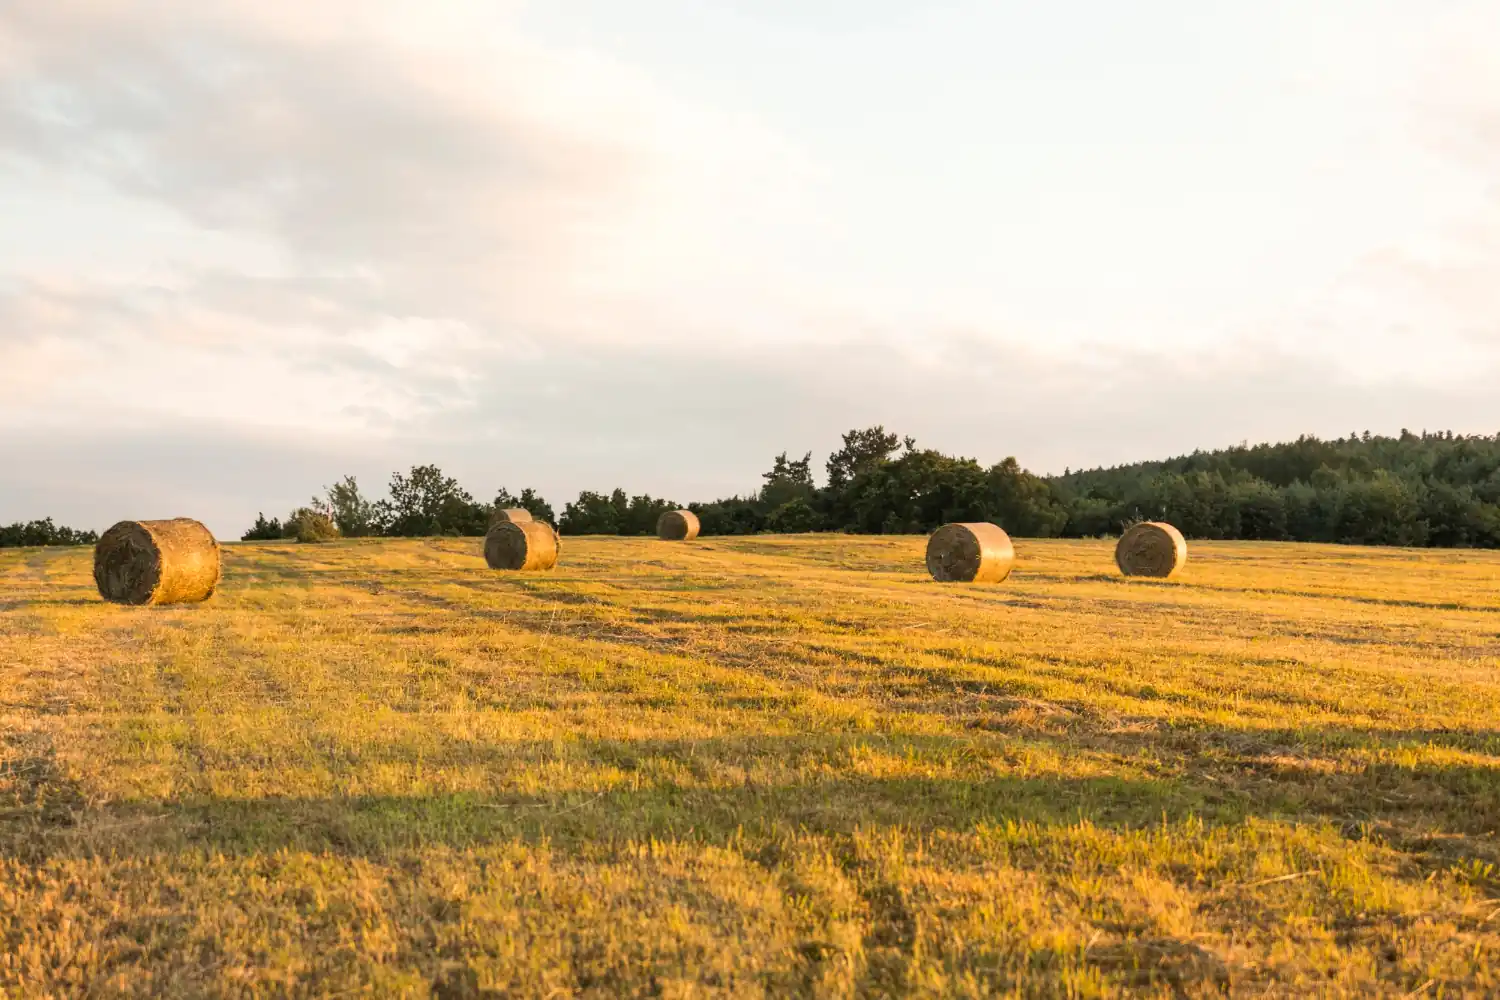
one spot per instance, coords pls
(49, 602)
(36, 795)
(372, 825)
(1439, 814)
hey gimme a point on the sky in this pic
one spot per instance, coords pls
(582, 244)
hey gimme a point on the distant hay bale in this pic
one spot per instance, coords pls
(157, 562)
(1151, 548)
(521, 545)
(678, 526)
(312, 526)
(970, 553)
(501, 514)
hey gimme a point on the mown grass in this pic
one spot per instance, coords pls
(764, 766)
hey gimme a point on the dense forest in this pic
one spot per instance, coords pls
(1427, 489)
(1437, 489)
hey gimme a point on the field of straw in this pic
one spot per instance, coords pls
(760, 766)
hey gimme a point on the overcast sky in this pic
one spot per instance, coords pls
(246, 248)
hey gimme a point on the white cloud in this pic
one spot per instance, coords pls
(496, 182)
(412, 201)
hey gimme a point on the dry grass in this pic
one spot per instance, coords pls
(749, 767)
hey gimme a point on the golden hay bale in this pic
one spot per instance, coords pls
(312, 526)
(500, 514)
(678, 526)
(521, 545)
(1151, 548)
(970, 553)
(157, 562)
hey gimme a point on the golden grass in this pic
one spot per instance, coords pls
(761, 766)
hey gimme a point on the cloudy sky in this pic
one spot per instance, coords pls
(247, 248)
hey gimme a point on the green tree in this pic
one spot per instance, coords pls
(308, 525)
(1261, 511)
(591, 514)
(615, 514)
(1023, 504)
(1381, 510)
(528, 500)
(348, 508)
(862, 451)
(787, 481)
(1091, 517)
(426, 502)
(43, 533)
(640, 515)
(796, 516)
(263, 530)
(788, 500)
(732, 516)
(917, 493)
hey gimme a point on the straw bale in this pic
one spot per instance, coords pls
(157, 562)
(521, 545)
(970, 553)
(678, 526)
(1151, 548)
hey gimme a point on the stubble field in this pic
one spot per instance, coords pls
(760, 766)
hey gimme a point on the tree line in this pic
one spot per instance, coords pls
(1433, 489)
(43, 532)
(877, 482)
(420, 503)
(1429, 489)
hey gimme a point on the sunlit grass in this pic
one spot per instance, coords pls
(760, 766)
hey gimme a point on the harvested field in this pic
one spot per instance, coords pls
(760, 766)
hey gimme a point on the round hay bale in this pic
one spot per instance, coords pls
(521, 545)
(1151, 548)
(970, 553)
(157, 562)
(501, 514)
(678, 526)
